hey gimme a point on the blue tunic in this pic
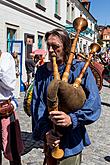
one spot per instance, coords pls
(75, 137)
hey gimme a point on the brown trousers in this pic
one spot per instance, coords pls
(13, 145)
(73, 160)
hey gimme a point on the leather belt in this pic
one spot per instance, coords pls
(6, 108)
(3, 102)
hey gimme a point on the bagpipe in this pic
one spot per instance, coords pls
(80, 24)
(60, 93)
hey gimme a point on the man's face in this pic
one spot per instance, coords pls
(55, 44)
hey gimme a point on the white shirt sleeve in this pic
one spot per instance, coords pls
(7, 72)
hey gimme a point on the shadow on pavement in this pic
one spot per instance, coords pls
(107, 158)
(29, 143)
(108, 86)
(106, 104)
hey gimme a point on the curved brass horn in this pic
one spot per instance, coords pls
(79, 24)
(95, 47)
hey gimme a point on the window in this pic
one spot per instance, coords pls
(11, 36)
(29, 40)
(41, 2)
(91, 25)
(68, 11)
(57, 9)
(84, 48)
(72, 12)
(56, 6)
(80, 46)
(40, 42)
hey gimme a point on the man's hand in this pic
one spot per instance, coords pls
(52, 141)
(60, 118)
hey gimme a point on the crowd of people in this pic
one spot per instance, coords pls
(55, 128)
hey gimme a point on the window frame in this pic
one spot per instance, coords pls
(57, 9)
(9, 38)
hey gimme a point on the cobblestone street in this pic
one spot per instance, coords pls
(98, 153)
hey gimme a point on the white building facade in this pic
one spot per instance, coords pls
(23, 24)
(75, 9)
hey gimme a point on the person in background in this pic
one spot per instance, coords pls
(107, 56)
(39, 59)
(15, 56)
(10, 134)
(17, 89)
(36, 59)
(30, 68)
(73, 137)
(107, 65)
(105, 61)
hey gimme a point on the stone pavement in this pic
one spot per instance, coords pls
(98, 153)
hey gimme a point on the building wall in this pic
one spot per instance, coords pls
(30, 22)
(50, 8)
(26, 18)
(90, 34)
